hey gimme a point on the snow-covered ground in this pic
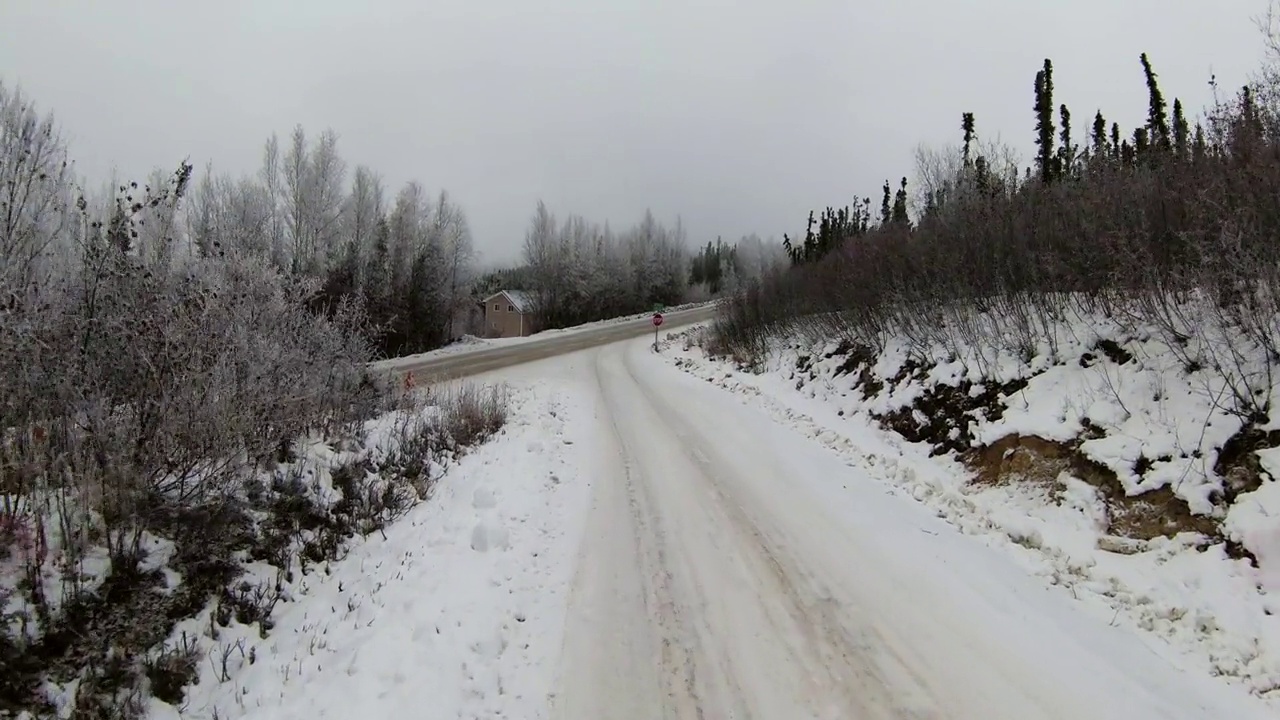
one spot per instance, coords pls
(640, 542)
(455, 611)
(738, 569)
(1191, 602)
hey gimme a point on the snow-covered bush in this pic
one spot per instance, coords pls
(142, 390)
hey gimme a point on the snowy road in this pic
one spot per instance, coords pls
(731, 568)
(431, 367)
(641, 544)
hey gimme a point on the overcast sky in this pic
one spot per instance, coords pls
(737, 116)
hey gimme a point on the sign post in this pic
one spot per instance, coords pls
(657, 323)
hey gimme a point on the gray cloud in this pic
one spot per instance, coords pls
(739, 117)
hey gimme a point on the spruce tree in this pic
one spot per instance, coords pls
(981, 177)
(1099, 135)
(1066, 153)
(900, 205)
(1115, 141)
(967, 124)
(1181, 131)
(886, 211)
(1157, 117)
(1249, 114)
(810, 251)
(1141, 142)
(824, 234)
(1126, 153)
(792, 251)
(1044, 121)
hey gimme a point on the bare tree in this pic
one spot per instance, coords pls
(245, 215)
(407, 234)
(937, 169)
(202, 215)
(459, 255)
(582, 272)
(542, 256)
(297, 177)
(157, 241)
(35, 197)
(328, 173)
(274, 191)
(313, 179)
(364, 210)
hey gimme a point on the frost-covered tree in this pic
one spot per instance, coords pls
(363, 211)
(543, 256)
(578, 271)
(328, 195)
(313, 177)
(36, 213)
(271, 176)
(453, 233)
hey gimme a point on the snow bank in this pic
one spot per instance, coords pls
(456, 608)
(1158, 426)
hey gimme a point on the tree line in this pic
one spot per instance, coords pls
(409, 260)
(577, 271)
(1171, 225)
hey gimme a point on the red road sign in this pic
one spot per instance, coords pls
(657, 319)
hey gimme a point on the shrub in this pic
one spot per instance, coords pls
(1177, 235)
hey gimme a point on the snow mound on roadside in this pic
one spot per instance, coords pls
(414, 619)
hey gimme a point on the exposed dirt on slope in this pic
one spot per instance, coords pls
(944, 417)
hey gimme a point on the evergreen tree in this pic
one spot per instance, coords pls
(1246, 128)
(810, 240)
(1066, 153)
(981, 176)
(967, 125)
(1181, 131)
(886, 207)
(1099, 135)
(1157, 117)
(1141, 142)
(1115, 141)
(900, 205)
(709, 264)
(1044, 122)
(377, 271)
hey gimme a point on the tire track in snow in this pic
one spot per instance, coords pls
(843, 662)
(629, 652)
(738, 629)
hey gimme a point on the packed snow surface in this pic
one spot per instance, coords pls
(642, 543)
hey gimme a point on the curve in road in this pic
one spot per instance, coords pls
(446, 367)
